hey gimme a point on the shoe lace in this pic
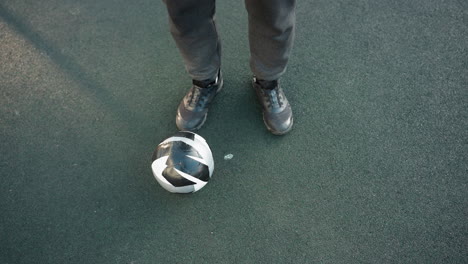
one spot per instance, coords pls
(274, 98)
(198, 97)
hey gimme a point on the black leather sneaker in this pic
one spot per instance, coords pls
(277, 113)
(193, 109)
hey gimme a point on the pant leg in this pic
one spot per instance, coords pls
(271, 35)
(192, 25)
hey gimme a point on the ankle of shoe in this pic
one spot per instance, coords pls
(205, 83)
(268, 85)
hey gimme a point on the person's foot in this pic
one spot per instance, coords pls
(193, 109)
(277, 113)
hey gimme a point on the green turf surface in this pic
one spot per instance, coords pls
(374, 171)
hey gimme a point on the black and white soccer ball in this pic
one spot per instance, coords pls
(183, 163)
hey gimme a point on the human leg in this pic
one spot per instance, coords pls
(192, 25)
(271, 35)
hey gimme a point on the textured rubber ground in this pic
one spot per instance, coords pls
(375, 171)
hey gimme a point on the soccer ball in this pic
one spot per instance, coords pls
(183, 163)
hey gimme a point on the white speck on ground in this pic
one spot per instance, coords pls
(228, 156)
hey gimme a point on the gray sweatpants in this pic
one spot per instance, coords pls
(271, 34)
